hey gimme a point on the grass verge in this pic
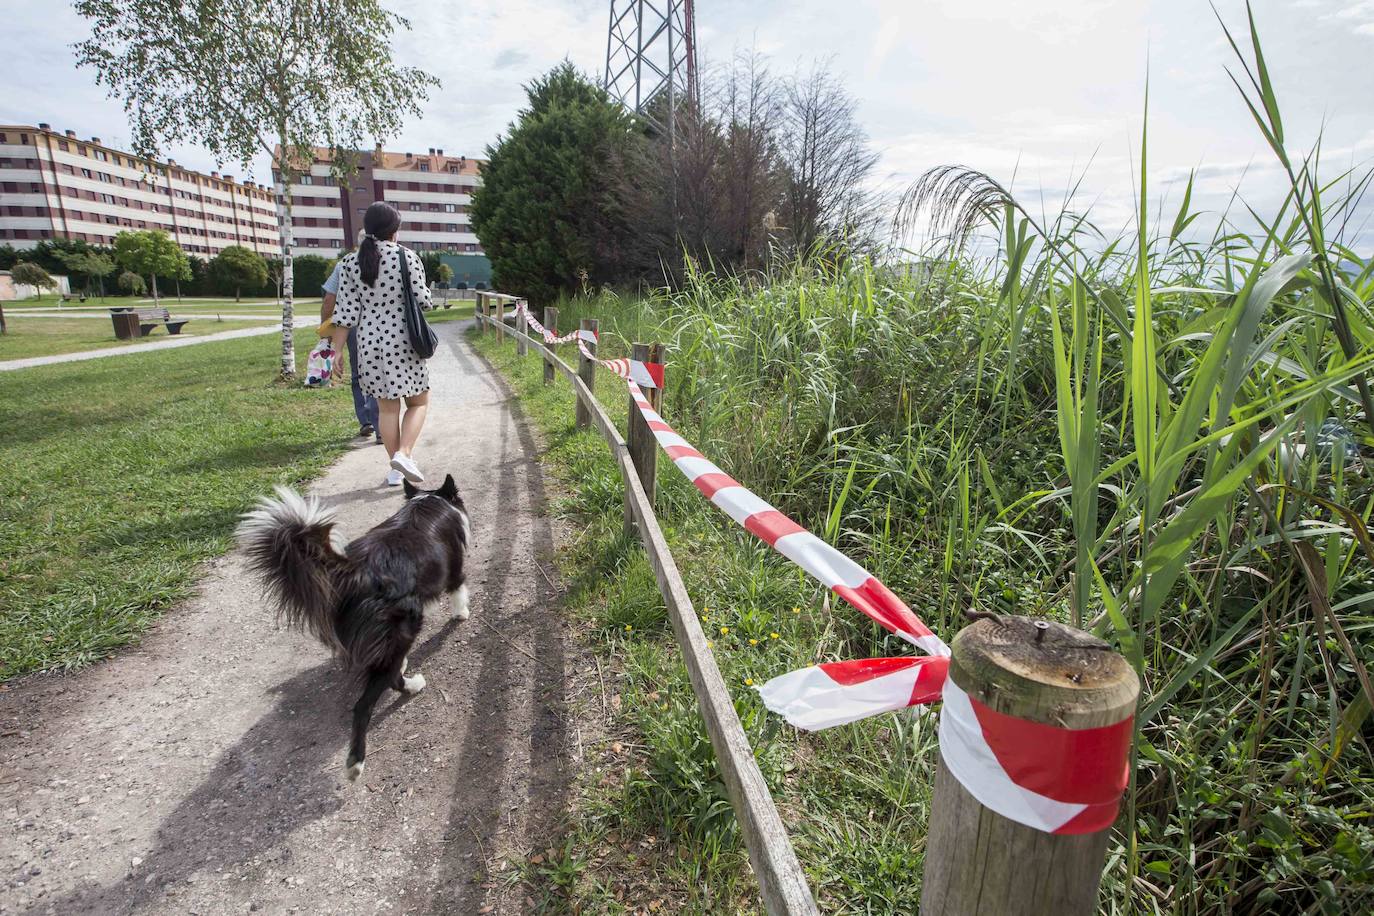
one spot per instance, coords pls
(123, 475)
(652, 828)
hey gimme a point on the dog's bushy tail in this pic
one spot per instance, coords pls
(289, 542)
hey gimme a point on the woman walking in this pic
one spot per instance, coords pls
(371, 298)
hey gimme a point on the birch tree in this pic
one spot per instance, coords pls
(247, 77)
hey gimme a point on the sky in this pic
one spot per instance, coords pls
(1050, 92)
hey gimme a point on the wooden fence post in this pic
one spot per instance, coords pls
(3, 329)
(479, 310)
(586, 370)
(521, 328)
(550, 325)
(978, 861)
(642, 445)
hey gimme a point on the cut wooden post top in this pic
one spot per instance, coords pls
(1044, 671)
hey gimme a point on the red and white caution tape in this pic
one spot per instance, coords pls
(1058, 780)
(837, 693)
(646, 375)
(833, 569)
(633, 371)
(549, 336)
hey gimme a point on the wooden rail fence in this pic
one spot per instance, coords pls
(781, 880)
(976, 860)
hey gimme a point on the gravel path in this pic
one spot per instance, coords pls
(201, 772)
(166, 344)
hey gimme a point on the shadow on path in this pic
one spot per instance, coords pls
(279, 777)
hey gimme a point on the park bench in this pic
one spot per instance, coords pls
(125, 319)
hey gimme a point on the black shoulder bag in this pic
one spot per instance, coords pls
(423, 340)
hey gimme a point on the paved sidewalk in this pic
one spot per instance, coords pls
(168, 344)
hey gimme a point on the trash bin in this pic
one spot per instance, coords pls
(125, 325)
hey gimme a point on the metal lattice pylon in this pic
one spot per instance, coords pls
(651, 53)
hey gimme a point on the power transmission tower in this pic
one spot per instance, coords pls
(651, 58)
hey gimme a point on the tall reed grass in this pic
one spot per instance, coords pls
(1165, 438)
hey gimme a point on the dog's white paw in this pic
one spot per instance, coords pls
(355, 771)
(413, 683)
(461, 609)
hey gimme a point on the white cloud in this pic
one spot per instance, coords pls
(1045, 89)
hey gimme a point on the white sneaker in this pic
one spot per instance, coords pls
(407, 466)
(394, 478)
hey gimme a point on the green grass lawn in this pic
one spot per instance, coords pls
(123, 475)
(457, 312)
(45, 336)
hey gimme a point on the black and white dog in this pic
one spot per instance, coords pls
(365, 600)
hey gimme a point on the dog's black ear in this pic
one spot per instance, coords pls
(410, 489)
(449, 489)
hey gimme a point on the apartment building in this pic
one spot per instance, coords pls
(56, 185)
(432, 191)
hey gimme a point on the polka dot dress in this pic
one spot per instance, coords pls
(387, 365)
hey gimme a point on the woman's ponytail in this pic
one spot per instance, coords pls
(380, 223)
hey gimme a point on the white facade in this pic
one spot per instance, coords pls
(433, 193)
(53, 185)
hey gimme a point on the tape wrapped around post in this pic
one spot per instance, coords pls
(1057, 780)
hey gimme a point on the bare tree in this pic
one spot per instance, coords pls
(748, 106)
(826, 162)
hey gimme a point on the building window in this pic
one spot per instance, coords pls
(450, 208)
(307, 179)
(85, 173)
(452, 227)
(469, 247)
(61, 144)
(414, 205)
(424, 166)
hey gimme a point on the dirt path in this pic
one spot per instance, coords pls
(202, 771)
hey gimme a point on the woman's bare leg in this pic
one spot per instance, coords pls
(414, 421)
(389, 423)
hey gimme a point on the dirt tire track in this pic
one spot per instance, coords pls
(201, 772)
